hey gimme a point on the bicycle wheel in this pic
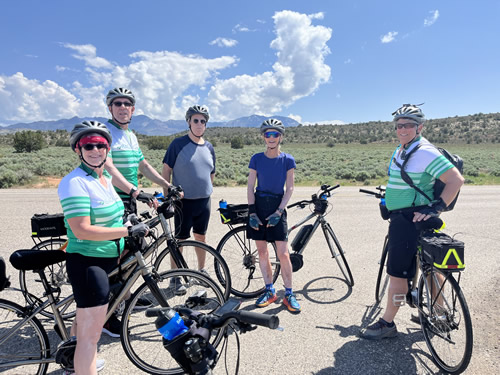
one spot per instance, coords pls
(29, 342)
(445, 321)
(382, 277)
(32, 288)
(242, 258)
(142, 342)
(213, 264)
(342, 263)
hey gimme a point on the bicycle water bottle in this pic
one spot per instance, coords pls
(323, 197)
(170, 324)
(222, 203)
(158, 195)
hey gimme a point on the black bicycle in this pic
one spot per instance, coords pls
(241, 254)
(443, 312)
(191, 348)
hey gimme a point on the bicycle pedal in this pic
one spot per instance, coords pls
(399, 299)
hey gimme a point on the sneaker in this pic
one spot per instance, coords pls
(266, 299)
(112, 326)
(142, 304)
(291, 303)
(176, 285)
(99, 364)
(379, 330)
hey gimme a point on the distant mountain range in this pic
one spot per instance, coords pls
(145, 125)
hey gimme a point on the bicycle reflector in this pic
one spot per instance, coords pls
(443, 252)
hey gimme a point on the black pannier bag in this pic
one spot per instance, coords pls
(45, 225)
(443, 252)
(234, 214)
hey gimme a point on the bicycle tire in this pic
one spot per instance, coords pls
(382, 282)
(242, 260)
(29, 342)
(447, 331)
(215, 265)
(141, 341)
(57, 277)
(344, 267)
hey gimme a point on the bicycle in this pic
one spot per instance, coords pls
(241, 254)
(24, 343)
(443, 312)
(172, 255)
(190, 346)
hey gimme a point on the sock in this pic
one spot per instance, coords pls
(271, 288)
(288, 291)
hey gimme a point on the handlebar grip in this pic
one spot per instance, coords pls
(333, 188)
(269, 321)
(367, 192)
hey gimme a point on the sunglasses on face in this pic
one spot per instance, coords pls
(119, 104)
(195, 120)
(406, 125)
(272, 134)
(99, 146)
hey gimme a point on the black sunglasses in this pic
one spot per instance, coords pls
(195, 120)
(119, 104)
(406, 125)
(91, 146)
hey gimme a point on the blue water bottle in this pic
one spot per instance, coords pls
(170, 324)
(222, 203)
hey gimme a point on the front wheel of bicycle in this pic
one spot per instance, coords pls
(445, 321)
(382, 277)
(32, 287)
(194, 252)
(332, 240)
(29, 342)
(142, 342)
(242, 258)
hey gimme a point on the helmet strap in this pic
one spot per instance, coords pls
(196, 136)
(121, 123)
(90, 165)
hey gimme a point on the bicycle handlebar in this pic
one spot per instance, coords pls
(325, 190)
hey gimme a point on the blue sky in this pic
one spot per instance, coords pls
(315, 61)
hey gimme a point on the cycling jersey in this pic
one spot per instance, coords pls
(425, 166)
(125, 153)
(81, 194)
(271, 172)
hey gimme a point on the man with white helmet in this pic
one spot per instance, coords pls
(408, 205)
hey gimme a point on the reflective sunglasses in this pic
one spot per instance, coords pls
(90, 146)
(119, 104)
(272, 134)
(195, 120)
(406, 125)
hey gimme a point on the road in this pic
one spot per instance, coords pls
(322, 339)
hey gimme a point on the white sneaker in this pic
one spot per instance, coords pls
(99, 364)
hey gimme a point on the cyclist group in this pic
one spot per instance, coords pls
(99, 195)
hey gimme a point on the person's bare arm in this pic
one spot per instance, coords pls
(151, 174)
(83, 230)
(117, 178)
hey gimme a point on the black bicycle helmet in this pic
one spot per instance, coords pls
(119, 92)
(410, 111)
(197, 109)
(272, 124)
(88, 127)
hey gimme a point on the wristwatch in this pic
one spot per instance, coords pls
(132, 191)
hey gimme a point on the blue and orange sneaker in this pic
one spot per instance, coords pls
(266, 298)
(291, 303)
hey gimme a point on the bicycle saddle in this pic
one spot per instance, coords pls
(30, 260)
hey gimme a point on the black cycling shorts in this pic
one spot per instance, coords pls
(266, 205)
(402, 245)
(191, 213)
(89, 278)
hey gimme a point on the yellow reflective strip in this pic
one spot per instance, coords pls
(445, 261)
(225, 220)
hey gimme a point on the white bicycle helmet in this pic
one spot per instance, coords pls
(197, 109)
(410, 111)
(88, 127)
(119, 92)
(272, 124)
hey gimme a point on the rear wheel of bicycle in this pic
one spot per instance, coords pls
(339, 256)
(29, 342)
(32, 287)
(445, 321)
(142, 342)
(213, 265)
(382, 277)
(242, 258)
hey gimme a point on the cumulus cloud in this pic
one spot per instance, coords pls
(88, 53)
(298, 71)
(242, 29)
(434, 15)
(223, 42)
(389, 37)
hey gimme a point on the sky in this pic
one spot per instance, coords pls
(315, 61)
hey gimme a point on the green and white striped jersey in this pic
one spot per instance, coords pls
(425, 166)
(81, 194)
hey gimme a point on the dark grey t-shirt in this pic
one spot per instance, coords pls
(192, 164)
